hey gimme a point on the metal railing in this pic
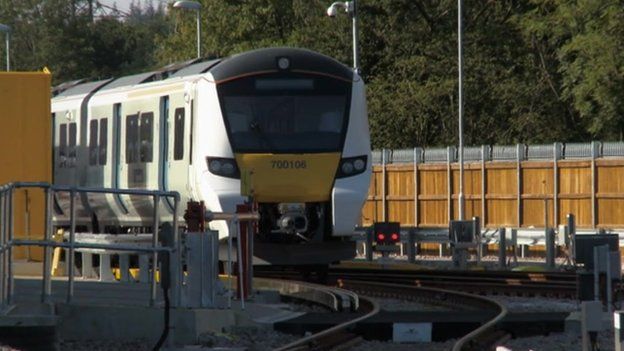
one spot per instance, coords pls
(8, 239)
(562, 151)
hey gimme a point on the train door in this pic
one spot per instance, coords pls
(98, 165)
(190, 110)
(65, 153)
(175, 148)
(116, 160)
(65, 144)
(97, 148)
(140, 162)
(163, 157)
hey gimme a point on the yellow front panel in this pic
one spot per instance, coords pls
(290, 177)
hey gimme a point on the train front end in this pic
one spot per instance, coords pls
(296, 123)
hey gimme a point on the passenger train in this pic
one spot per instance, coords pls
(294, 118)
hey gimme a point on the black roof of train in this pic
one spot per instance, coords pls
(250, 62)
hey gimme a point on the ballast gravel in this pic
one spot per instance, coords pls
(537, 304)
(558, 342)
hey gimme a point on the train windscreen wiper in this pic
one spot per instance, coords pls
(255, 126)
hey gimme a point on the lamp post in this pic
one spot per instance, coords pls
(7, 34)
(461, 108)
(349, 7)
(192, 5)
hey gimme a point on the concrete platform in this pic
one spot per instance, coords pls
(120, 312)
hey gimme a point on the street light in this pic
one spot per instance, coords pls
(349, 7)
(192, 5)
(7, 34)
(460, 30)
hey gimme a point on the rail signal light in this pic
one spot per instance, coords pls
(387, 233)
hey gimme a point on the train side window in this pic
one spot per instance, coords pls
(103, 141)
(147, 137)
(72, 144)
(178, 137)
(93, 138)
(132, 138)
(63, 145)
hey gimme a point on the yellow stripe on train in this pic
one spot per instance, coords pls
(290, 177)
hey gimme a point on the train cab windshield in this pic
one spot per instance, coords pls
(277, 113)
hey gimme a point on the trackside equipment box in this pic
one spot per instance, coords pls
(25, 149)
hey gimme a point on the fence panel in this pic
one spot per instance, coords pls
(503, 184)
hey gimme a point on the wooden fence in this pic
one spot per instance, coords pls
(501, 193)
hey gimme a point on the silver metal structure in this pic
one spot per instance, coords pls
(460, 66)
(195, 6)
(7, 37)
(8, 241)
(350, 7)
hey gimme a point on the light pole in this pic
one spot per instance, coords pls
(460, 30)
(349, 7)
(192, 5)
(7, 34)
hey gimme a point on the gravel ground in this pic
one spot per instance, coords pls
(248, 338)
(302, 306)
(444, 262)
(97, 345)
(388, 346)
(394, 305)
(559, 342)
(551, 342)
(537, 304)
(513, 304)
(253, 339)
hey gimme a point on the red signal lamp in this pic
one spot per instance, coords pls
(386, 233)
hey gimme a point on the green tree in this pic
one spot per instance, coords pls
(584, 47)
(65, 36)
(535, 71)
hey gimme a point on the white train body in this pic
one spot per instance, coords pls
(295, 119)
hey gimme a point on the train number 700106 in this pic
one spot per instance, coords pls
(286, 164)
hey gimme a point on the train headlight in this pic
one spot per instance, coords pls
(224, 167)
(228, 169)
(359, 164)
(215, 166)
(347, 168)
(283, 63)
(351, 166)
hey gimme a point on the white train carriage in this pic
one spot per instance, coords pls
(295, 118)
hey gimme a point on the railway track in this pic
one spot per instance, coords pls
(451, 289)
(374, 284)
(549, 284)
(482, 338)
(338, 337)
(343, 336)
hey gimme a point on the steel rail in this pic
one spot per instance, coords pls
(318, 340)
(468, 341)
(515, 283)
(318, 294)
(440, 296)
